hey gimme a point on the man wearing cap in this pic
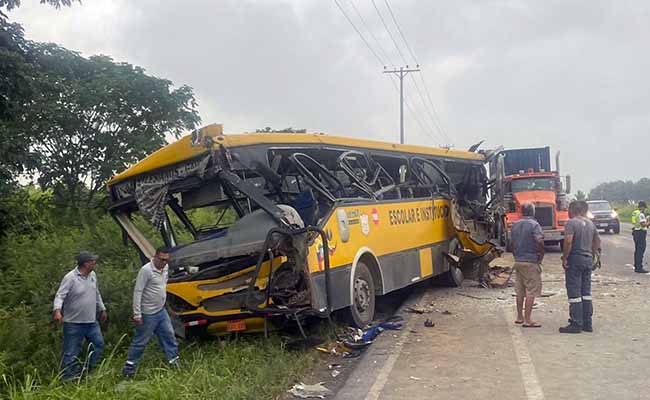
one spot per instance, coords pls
(639, 234)
(149, 313)
(75, 305)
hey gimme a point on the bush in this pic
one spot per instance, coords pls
(32, 265)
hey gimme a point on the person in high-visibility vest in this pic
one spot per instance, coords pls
(639, 233)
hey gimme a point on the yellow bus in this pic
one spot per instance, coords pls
(265, 228)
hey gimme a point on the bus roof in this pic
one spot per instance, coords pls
(183, 149)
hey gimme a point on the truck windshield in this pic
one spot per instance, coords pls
(524, 185)
(600, 206)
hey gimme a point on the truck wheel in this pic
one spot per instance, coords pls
(362, 309)
(617, 229)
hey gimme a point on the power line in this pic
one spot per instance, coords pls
(424, 128)
(424, 102)
(363, 21)
(399, 51)
(360, 35)
(432, 111)
(390, 10)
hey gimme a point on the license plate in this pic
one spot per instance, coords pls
(602, 225)
(236, 325)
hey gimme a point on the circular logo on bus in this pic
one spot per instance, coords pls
(375, 216)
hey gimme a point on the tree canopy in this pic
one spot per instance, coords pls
(622, 191)
(76, 121)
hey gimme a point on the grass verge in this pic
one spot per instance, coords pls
(243, 368)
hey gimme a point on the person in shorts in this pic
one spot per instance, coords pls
(528, 251)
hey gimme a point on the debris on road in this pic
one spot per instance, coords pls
(496, 278)
(415, 378)
(474, 297)
(429, 324)
(315, 391)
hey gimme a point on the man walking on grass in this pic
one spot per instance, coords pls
(149, 313)
(528, 250)
(75, 305)
(581, 243)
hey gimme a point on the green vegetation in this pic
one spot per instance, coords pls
(71, 122)
(622, 192)
(624, 211)
(35, 258)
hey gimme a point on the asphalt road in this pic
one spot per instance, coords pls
(475, 351)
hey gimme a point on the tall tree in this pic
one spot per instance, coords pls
(580, 195)
(93, 117)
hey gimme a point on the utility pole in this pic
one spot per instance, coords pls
(401, 73)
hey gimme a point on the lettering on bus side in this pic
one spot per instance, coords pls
(411, 215)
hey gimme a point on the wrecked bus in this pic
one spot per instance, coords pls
(270, 228)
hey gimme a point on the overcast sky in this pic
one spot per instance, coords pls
(574, 75)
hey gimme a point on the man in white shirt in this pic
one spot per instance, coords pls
(75, 305)
(149, 313)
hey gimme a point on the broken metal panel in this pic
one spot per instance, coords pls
(244, 237)
(136, 236)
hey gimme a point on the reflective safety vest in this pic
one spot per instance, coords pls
(637, 218)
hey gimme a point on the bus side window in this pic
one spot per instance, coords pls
(396, 176)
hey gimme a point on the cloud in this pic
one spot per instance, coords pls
(569, 74)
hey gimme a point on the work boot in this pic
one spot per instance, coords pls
(587, 328)
(571, 328)
(641, 271)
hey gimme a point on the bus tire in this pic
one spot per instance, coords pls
(362, 310)
(454, 277)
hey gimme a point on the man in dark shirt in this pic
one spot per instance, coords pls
(528, 250)
(581, 242)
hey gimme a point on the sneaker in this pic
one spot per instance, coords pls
(175, 363)
(129, 370)
(571, 328)
(588, 328)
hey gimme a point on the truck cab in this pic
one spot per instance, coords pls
(525, 176)
(544, 190)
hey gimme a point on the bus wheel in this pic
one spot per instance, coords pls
(454, 277)
(362, 309)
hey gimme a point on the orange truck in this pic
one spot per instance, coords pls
(525, 176)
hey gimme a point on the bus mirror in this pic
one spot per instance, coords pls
(344, 230)
(402, 173)
(568, 184)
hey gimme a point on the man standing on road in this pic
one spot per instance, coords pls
(639, 233)
(149, 313)
(528, 250)
(581, 243)
(75, 305)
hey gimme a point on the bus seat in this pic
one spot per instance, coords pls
(306, 205)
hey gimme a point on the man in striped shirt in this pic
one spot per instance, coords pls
(75, 305)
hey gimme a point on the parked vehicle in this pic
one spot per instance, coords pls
(604, 216)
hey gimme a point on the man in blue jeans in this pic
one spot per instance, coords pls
(581, 242)
(149, 313)
(76, 304)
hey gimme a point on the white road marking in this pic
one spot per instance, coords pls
(528, 375)
(384, 373)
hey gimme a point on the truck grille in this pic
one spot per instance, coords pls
(544, 215)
